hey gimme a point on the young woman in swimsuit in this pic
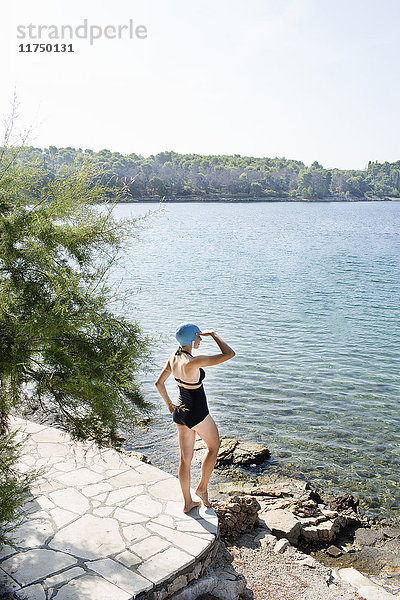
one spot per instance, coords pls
(191, 414)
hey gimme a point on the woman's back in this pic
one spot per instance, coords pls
(182, 370)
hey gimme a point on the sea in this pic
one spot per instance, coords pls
(308, 296)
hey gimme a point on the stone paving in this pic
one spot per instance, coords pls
(101, 525)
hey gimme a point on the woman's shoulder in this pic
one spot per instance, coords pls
(174, 358)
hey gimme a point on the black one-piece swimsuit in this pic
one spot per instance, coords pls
(192, 408)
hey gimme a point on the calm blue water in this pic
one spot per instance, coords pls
(308, 295)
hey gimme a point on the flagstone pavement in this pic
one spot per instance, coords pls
(102, 525)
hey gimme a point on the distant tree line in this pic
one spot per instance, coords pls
(169, 174)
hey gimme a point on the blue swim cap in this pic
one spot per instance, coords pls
(186, 333)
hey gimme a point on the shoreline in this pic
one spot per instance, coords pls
(228, 475)
(250, 199)
(375, 514)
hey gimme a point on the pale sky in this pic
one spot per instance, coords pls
(303, 79)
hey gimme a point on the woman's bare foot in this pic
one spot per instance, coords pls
(204, 497)
(191, 505)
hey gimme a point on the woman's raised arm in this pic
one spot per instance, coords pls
(207, 361)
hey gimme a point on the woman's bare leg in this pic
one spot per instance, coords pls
(186, 438)
(208, 432)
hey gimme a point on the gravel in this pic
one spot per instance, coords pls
(272, 576)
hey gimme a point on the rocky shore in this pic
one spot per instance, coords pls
(272, 515)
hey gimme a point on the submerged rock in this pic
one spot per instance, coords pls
(343, 502)
(247, 454)
(379, 550)
(285, 487)
(334, 551)
(234, 452)
(367, 537)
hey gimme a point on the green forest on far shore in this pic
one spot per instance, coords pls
(185, 176)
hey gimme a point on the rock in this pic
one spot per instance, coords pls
(365, 586)
(137, 455)
(281, 504)
(281, 545)
(309, 533)
(334, 551)
(322, 532)
(236, 515)
(262, 523)
(386, 538)
(265, 538)
(307, 516)
(306, 507)
(283, 524)
(246, 454)
(391, 532)
(340, 521)
(226, 450)
(349, 517)
(229, 584)
(372, 560)
(309, 562)
(311, 520)
(329, 514)
(234, 452)
(178, 583)
(343, 503)
(329, 578)
(279, 487)
(367, 537)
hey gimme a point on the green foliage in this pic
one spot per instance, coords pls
(170, 174)
(14, 486)
(384, 178)
(59, 340)
(256, 189)
(314, 182)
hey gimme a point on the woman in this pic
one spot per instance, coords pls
(192, 415)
